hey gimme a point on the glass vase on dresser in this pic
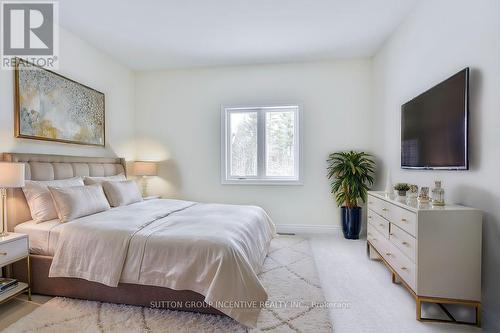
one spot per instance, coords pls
(437, 194)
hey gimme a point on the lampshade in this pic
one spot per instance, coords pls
(11, 175)
(143, 168)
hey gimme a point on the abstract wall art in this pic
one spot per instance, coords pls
(49, 106)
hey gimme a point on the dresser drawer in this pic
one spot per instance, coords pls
(378, 206)
(405, 268)
(376, 238)
(404, 219)
(13, 250)
(379, 223)
(403, 241)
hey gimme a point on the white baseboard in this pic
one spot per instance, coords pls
(307, 229)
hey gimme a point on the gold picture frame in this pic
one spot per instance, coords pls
(51, 107)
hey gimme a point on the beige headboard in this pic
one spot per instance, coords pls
(51, 167)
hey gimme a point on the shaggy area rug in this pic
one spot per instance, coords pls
(296, 304)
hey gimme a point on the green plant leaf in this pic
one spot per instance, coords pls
(351, 174)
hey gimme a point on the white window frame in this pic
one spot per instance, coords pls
(261, 178)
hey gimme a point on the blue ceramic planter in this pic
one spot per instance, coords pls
(351, 222)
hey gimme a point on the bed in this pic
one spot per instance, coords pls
(163, 253)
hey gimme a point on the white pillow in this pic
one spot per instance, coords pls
(122, 193)
(74, 202)
(39, 200)
(98, 180)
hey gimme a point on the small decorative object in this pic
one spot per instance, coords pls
(412, 193)
(423, 197)
(6, 284)
(351, 174)
(11, 176)
(437, 194)
(51, 107)
(145, 169)
(401, 188)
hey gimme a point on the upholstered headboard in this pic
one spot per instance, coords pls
(52, 167)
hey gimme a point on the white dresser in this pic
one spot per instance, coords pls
(434, 251)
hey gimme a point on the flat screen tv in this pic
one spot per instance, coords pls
(434, 131)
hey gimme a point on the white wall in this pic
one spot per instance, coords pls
(178, 120)
(83, 63)
(438, 39)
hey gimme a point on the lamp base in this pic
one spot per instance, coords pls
(3, 194)
(4, 234)
(144, 186)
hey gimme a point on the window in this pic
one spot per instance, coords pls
(261, 145)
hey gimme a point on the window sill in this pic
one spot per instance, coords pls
(271, 182)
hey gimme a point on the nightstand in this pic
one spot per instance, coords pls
(14, 247)
(151, 197)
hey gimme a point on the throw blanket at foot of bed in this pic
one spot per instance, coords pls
(215, 250)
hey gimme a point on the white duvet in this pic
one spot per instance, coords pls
(212, 249)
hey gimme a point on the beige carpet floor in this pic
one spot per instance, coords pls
(296, 304)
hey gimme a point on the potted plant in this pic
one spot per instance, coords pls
(351, 174)
(401, 188)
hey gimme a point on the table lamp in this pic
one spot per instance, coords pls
(11, 176)
(145, 169)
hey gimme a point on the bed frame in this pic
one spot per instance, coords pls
(53, 167)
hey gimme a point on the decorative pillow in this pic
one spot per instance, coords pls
(98, 180)
(39, 200)
(78, 201)
(122, 193)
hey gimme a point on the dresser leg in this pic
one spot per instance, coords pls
(394, 278)
(371, 253)
(419, 309)
(478, 315)
(369, 250)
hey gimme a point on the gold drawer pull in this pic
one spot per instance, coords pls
(404, 268)
(388, 254)
(404, 220)
(369, 216)
(392, 234)
(405, 243)
(385, 209)
(3, 253)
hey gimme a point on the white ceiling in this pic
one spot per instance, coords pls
(151, 34)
